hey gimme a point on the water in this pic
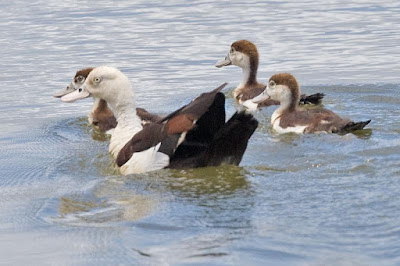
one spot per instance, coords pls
(295, 200)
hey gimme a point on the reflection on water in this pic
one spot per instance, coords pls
(295, 200)
(101, 211)
(210, 181)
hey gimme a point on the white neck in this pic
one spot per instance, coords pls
(96, 102)
(128, 123)
(245, 76)
(284, 105)
(126, 114)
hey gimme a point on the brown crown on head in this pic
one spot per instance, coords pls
(246, 47)
(84, 72)
(249, 49)
(290, 81)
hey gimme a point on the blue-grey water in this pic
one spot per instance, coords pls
(295, 200)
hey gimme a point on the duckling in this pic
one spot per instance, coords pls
(244, 54)
(195, 135)
(289, 117)
(101, 115)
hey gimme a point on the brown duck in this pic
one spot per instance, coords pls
(289, 117)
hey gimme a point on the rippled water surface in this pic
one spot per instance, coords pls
(295, 200)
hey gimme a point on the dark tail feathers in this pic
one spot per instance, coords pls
(311, 99)
(230, 142)
(352, 126)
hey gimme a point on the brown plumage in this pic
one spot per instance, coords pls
(288, 80)
(251, 87)
(83, 73)
(103, 117)
(196, 135)
(250, 91)
(249, 48)
(314, 120)
(147, 117)
(178, 122)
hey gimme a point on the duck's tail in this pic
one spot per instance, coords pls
(352, 126)
(312, 99)
(230, 142)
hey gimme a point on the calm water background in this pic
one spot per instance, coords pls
(295, 200)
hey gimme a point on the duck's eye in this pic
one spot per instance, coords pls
(80, 89)
(272, 84)
(232, 50)
(81, 79)
(97, 79)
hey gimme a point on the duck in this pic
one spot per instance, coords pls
(291, 118)
(195, 135)
(244, 54)
(101, 116)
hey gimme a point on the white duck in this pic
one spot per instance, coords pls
(195, 135)
(101, 115)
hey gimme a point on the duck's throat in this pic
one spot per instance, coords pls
(128, 125)
(126, 115)
(249, 76)
(288, 106)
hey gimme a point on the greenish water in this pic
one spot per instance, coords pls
(294, 200)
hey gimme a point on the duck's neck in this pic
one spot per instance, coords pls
(250, 73)
(96, 104)
(288, 106)
(128, 124)
(126, 114)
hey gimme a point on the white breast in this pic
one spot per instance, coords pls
(275, 120)
(140, 162)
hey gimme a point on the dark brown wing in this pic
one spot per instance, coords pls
(148, 137)
(145, 116)
(198, 106)
(315, 119)
(177, 122)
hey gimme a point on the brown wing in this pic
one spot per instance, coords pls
(197, 107)
(315, 120)
(149, 136)
(144, 115)
(177, 122)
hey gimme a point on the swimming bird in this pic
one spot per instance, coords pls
(101, 115)
(244, 54)
(195, 135)
(289, 117)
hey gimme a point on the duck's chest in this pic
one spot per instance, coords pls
(276, 125)
(120, 136)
